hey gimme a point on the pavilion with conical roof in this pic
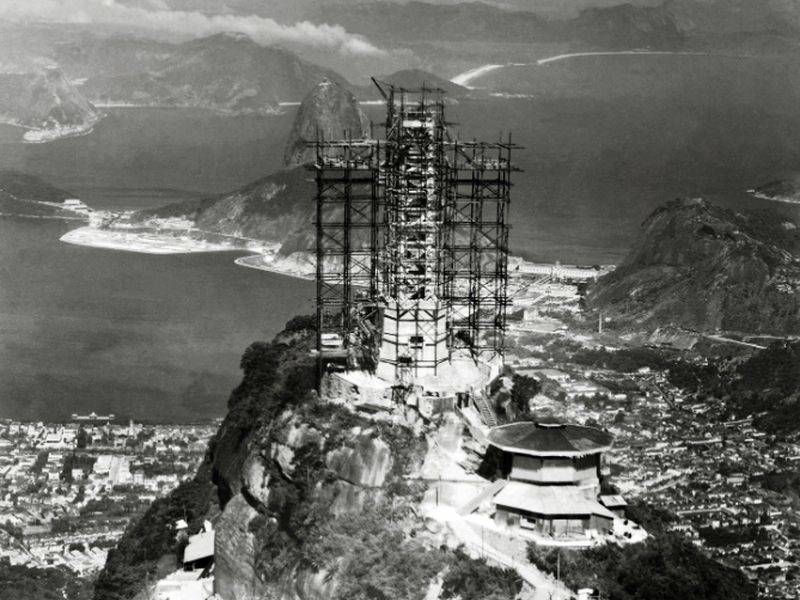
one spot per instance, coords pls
(553, 474)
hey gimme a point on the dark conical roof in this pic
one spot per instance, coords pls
(541, 439)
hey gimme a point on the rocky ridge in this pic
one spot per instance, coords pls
(44, 101)
(225, 72)
(703, 267)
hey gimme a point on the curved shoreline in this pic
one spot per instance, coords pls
(467, 76)
(264, 255)
(560, 57)
(782, 199)
(34, 135)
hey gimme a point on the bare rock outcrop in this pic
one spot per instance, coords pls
(235, 569)
(329, 111)
(366, 463)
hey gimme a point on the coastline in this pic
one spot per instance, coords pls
(781, 199)
(142, 242)
(264, 255)
(288, 266)
(465, 78)
(42, 136)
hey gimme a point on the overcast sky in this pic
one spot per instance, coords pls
(158, 16)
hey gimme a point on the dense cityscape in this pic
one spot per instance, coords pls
(723, 483)
(68, 490)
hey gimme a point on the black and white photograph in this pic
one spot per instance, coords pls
(399, 299)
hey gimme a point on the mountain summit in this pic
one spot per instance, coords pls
(705, 267)
(43, 99)
(328, 111)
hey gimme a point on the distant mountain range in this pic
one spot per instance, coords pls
(416, 78)
(44, 99)
(735, 16)
(622, 26)
(230, 72)
(704, 267)
(227, 72)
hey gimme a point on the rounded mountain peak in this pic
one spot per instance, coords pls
(329, 111)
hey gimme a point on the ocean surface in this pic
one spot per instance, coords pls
(146, 336)
(606, 140)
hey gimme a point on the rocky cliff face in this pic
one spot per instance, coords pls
(700, 266)
(43, 99)
(329, 111)
(303, 485)
(310, 501)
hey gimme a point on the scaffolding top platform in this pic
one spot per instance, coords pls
(363, 380)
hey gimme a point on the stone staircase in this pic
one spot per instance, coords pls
(485, 410)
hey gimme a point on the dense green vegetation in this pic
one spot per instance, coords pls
(769, 387)
(680, 373)
(664, 567)
(471, 579)
(85, 462)
(18, 582)
(765, 385)
(733, 536)
(783, 482)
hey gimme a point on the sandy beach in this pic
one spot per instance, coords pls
(143, 242)
(299, 265)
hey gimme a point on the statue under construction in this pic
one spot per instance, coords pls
(412, 251)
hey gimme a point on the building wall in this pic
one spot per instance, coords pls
(582, 471)
(413, 340)
(556, 527)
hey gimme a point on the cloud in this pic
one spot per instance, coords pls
(155, 16)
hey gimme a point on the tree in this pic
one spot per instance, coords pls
(471, 579)
(524, 388)
(61, 525)
(12, 530)
(664, 567)
(82, 438)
